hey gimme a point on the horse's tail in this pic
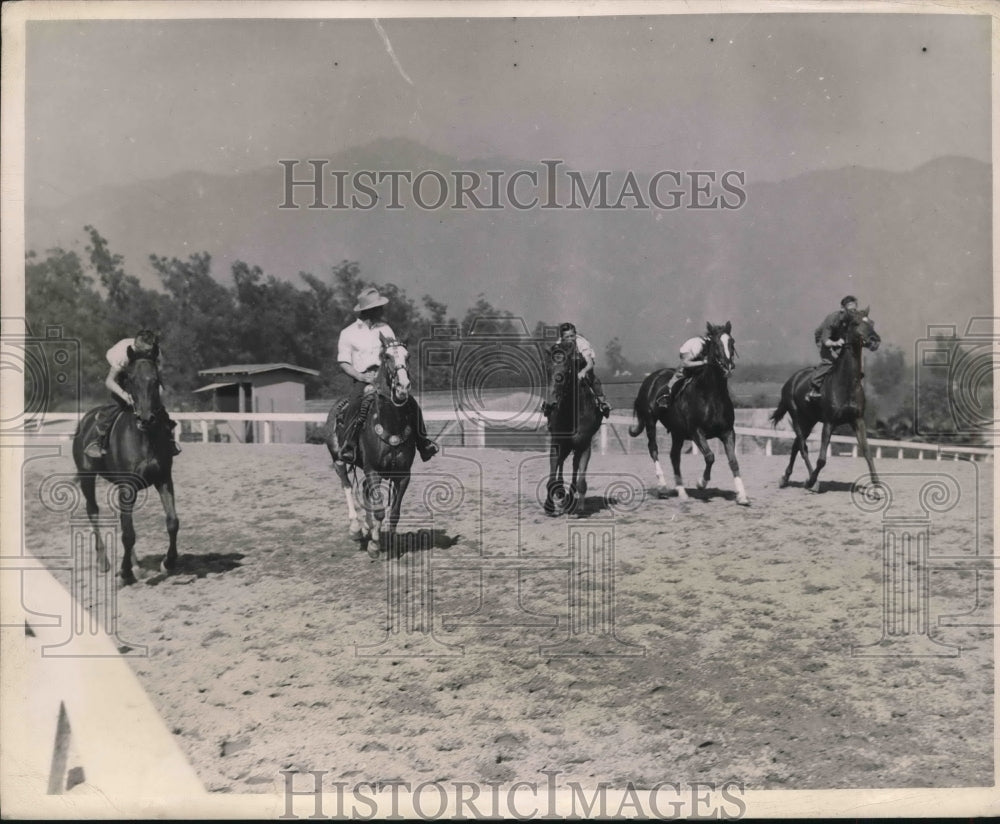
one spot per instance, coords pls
(640, 424)
(779, 413)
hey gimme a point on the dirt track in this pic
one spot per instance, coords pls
(730, 655)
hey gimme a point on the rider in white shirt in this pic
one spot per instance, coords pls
(358, 351)
(145, 342)
(692, 357)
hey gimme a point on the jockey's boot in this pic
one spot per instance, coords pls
(814, 392)
(603, 406)
(427, 448)
(98, 446)
(666, 397)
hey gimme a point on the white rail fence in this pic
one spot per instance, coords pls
(472, 428)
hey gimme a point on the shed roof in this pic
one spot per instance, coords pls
(255, 369)
(214, 386)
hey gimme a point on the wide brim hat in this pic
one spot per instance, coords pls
(369, 299)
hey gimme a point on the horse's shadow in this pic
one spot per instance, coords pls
(190, 564)
(824, 486)
(703, 496)
(420, 540)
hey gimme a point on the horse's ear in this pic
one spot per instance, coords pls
(130, 352)
(708, 326)
(864, 312)
(729, 327)
(155, 355)
(382, 338)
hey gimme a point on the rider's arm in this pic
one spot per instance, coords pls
(354, 373)
(113, 386)
(824, 334)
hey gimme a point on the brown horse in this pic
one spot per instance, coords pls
(386, 448)
(700, 409)
(573, 422)
(139, 455)
(841, 401)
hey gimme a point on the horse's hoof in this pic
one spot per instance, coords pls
(354, 534)
(812, 490)
(373, 550)
(702, 484)
(167, 568)
(663, 492)
(126, 579)
(743, 501)
(103, 564)
(782, 483)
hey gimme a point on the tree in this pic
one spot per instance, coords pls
(199, 328)
(130, 306)
(60, 294)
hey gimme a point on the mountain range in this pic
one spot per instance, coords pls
(915, 245)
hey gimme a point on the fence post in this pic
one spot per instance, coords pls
(604, 440)
(204, 431)
(768, 448)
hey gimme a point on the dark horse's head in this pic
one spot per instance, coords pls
(857, 326)
(142, 381)
(393, 374)
(720, 347)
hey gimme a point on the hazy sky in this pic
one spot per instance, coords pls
(110, 102)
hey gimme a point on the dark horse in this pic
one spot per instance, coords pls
(841, 401)
(700, 409)
(138, 456)
(386, 447)
(573, 422)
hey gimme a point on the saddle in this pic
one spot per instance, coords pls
(665, 399)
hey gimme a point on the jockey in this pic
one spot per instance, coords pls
(829, 347)
(568, 339)
(692, 356)
(358, 350)
(144, 342)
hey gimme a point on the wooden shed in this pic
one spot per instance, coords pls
(259, 387)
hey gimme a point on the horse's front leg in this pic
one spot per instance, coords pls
(375, 510)
(126, 502)
(812, 485)
(399, 485)
(729, 442)
(553, 488)
(578, 489)
(701, 441)
(861, 433)
(166, 491)
(87, 486)
(354, 525)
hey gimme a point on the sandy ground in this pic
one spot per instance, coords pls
(650, 641)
